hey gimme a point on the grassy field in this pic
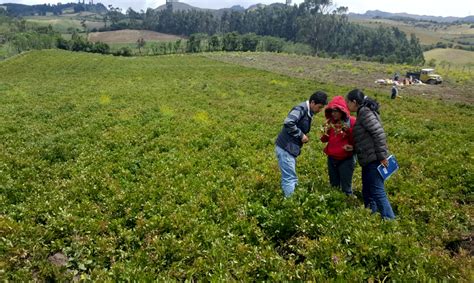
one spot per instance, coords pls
(152, 168)
(4, 51)
(63, 24)
(457, 86)
(426, 35)
(453, 57)
(130, 36)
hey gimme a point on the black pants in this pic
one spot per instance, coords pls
(340, 173)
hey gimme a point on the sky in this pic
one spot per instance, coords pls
(457, 8)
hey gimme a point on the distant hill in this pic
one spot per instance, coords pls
(178, 6)
(469, 19)
(256, 6)
(237, 8)
(45, 9)
(386, 15)
(428, 33)
(453, 57)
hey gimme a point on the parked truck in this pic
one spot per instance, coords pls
(427, 76)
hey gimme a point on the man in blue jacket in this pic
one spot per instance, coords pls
(292, 137)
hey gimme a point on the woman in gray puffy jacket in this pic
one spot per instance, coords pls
(371, 149)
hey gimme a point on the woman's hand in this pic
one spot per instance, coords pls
(348, 147)
(384, 163)
(325, 129)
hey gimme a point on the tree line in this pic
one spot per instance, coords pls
(444, 45)
(19, 36)
(314, 22)
(21, 10)
(231, 41)
(24, 36)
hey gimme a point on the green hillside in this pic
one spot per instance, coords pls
(65, 23)
(149, 168)
(427, 32)
(454, 57)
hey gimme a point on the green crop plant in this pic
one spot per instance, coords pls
(163, 168)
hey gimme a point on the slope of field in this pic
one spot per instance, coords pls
(130, 36)
(3, 51)
(455, 57)
(427, 35)
(457, 85)
(163, 168)
(63, 24)
(58, 23)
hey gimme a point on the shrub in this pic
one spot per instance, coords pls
(124, 51)
(432, 62)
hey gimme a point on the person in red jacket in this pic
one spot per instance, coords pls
(340, 144)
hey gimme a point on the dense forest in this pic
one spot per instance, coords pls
(315, 22)
(21, 10)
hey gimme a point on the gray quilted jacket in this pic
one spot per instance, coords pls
(369, 137)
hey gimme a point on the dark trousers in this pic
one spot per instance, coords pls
(340, 173)
(373, 191)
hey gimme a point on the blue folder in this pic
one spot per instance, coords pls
(390, 169)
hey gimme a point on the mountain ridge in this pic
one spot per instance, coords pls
(181, 6)
(367, 15)
(370, 14)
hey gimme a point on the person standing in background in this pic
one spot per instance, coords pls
(394, 92)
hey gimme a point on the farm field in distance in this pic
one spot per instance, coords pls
(130, 36)
(128, 39)
(428, 33)
(63, 24)
(145, 168)
(457, 85)
(457, 58)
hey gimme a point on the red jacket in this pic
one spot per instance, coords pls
(339, 134)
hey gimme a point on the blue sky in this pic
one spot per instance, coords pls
(459, 8)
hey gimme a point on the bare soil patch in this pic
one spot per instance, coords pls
(346, 73)
(130, 36)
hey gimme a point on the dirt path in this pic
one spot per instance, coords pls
(346, 73)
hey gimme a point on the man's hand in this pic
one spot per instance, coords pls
(384, 163)
(304, 139)
(348, 147)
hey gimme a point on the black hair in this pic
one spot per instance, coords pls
(319, 97)
(358, 96)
